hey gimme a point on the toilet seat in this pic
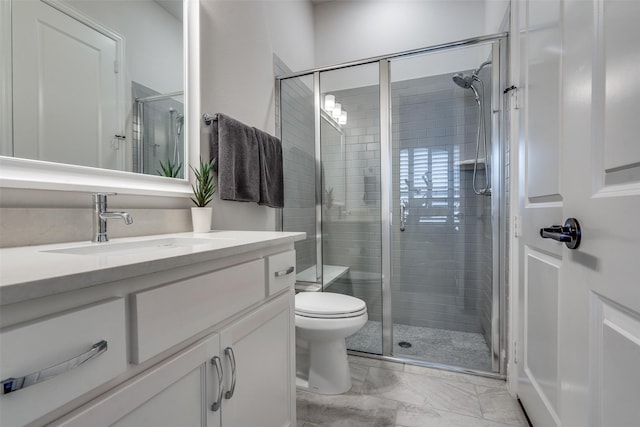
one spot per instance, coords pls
(328, 305)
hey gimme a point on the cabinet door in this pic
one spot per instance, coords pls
(177, 392)
(78, 350)
(261, 345)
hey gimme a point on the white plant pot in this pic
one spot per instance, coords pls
(201, 218)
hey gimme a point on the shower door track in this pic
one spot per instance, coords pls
(433, 365)
(498, 334)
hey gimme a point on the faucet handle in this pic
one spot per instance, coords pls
(102, 197)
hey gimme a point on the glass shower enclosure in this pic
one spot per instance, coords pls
(158, 133)
(394, 169)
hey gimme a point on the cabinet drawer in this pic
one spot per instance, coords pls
(282, 271)
(29, 348)
(166, 316)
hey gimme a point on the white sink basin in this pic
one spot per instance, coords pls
(144, 246)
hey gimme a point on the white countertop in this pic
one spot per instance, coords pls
(34, 271)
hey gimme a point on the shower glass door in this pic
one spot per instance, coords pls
(441, 234)
(349, 112)
(298, 152)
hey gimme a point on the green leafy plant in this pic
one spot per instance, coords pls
(204, 187)
(170, 169)
(328, 197)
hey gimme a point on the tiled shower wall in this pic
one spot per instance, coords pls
(442, 271)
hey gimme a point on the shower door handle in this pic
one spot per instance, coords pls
(569, 233)
(403, 221)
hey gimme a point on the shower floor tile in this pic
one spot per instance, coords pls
(462, 349)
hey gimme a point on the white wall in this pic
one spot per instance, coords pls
(496, 16)
(358, 29)
(153, 40)
(238, 40)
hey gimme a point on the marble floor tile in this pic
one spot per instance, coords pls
(378, 363)
(411, 396)
(415, 416)
(454, 376)
(414, 389)
(498, 405)
(394, 385)
(453, 397)
(345, 410)
(358, 374)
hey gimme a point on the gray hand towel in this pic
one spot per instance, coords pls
(271, 179)
(236, 148)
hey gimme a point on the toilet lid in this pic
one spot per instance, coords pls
(328, 305)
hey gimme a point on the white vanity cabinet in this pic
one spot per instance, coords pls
(241, 376)
(208, 344)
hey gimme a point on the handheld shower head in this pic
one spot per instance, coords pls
(462, 80)
(179, 123)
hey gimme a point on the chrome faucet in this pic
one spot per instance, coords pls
(101, 215)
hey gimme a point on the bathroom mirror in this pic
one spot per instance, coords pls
(104, 99)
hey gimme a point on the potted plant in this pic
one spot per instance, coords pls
(203, 191)
(170, 169)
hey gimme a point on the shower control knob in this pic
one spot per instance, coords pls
(569, 233)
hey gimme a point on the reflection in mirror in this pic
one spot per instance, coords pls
(158, 136)
(99, 83)
(333, 164)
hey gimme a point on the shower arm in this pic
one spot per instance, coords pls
(477, 70)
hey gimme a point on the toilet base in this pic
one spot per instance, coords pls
(326, 366)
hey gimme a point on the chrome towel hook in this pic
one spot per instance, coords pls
(208, 118)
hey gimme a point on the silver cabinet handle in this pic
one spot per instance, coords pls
(285, 272)
(232, 359)
(215, 361)
(14, 384)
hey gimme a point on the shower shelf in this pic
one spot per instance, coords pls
(331, 274)
(468, 164)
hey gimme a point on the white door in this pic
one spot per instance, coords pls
(579, 310)
(541, 204)
(65, 89)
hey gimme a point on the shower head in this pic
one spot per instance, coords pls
(462, 80)
(179, 123)
(466, 82)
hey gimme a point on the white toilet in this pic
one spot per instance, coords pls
(323, 321)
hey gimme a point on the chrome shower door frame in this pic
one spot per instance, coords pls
(498, 204)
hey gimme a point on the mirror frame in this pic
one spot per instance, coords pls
(18, 173)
